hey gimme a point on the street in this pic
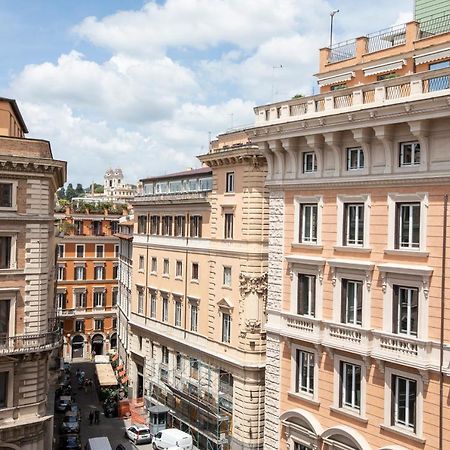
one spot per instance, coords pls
(113, 428)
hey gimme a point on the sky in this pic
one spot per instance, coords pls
(141, 85)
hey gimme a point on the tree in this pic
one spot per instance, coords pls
(97, 188)
(70, 192)
(61, 194)
(79, 190)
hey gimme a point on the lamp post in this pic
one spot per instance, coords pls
(332, 14)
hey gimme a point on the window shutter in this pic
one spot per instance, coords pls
(345, 225)
(313, 295)
(359, 303)
(300, 223)
(395, 309)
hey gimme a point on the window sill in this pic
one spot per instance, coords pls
(402, 432)
(165, 275)
(304, 398)
(179, 278)
(350, 249)
(141, 270)
(348, 413)
(154, 274)
(229, 194)
(10, 271)
(307, 246)
(228, 288)
(401, 252)
(195, 281)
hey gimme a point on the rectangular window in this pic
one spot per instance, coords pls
(351, 302)
(438, 83)
(99, 273)
(99, 299)
(350, 386)
(97, 228)
(141, 262)
(229, 182)
(355, 158)
(6, 195)
(165, 309)
(140, 301)
(154, 264)
(80, 273)
(178, 314)
(142, 224)
(180, 225)
(227, 276)
(115, 296)
(114, 226)
(166, 266)
(80, 251)
(407, 229)
(194, 317)
(193, 368)
(309, 162)
(178, 362)
(308, 223)
(5, 306)
(228, 231)
(306, 295)
(98, 324)
(164, 355)
(226, 328)
(304, 378)
(153, 305)
(115, 272)
(60, 251)
(80, 299)
(179, 269)
(353, 224)
(78, 224)
(154, 225)
(196, 226)
(61, 300)
(405, 310)
(99, 251)
(409, 154)
(195, 271)
(167, 226)
(61, 275)
(5, 252)
(404, 402)
(79, 326)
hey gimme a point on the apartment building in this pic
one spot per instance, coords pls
(358, 336)
(197, 323)
(29, 178)
(87, 280)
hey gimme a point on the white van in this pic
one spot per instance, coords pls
(98, 443)
(172, 438)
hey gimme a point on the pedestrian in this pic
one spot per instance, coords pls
(85, 387)
(97, 416)
(91, 417)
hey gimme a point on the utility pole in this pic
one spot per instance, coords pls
(332, 14)
(273, 79)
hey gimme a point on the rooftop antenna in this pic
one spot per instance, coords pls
(332, 14)
(273, 78)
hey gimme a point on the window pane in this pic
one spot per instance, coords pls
(5, 195)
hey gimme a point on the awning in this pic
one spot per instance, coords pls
(105, 375)
(384, 68)
(122, 373)
(336, 79)
(119, 367)
(97, 339)
(124, 380)
(433, 56)
(115, 357)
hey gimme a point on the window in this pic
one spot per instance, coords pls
(164, 355)
(407, 230)
(114, 227)
(353, 224)
(438, 83)
(194, 317)
(355, 158)
(226, 328)
(80, 251)
(404, 402)
(116, 250)
(351, 302)
(97, 228)
(5, 310)
(80, 273)
(79, 326)
(228, 231)
(196, 226)
(229, 182)
(153, 305)
(154, 225)
(154, 264)
(142, 224)
(193, 368)
(115, 296)
(115, 272)
(297, 445)
(61, 275)
(350, 386)
(99, 299)
(114, 325)
(6, 195)
(61, 300)
(227, 276)
(178, 314)
(178, 362)
(60, 251)
(306, 295)
(304, 372)
(99, 251)
(195, 271)
(80, 299)
(167, 226)
(78, 228)
(405, 312)
(140, 301)
(165, 309)
(338, 87)
(179, 269)
(308, 223)
(99, 273)
(409, 154)
(309, 162)
(5, 252)
(141, 262)
(98, 324)
(180, 225)
(166, 266)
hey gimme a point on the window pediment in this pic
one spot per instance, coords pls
(305, 260)
(225, 304)
(406, 269)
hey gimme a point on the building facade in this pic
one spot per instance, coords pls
(87, 281)
(426, 8)
(358, 342)
(29, 178)
(198, 297)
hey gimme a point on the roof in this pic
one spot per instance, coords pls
(16, 110)
(185, 173)
(105, 375)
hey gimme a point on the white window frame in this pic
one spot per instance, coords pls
(227, 274)
(14, 186)
(76, 250)
(61, 272)
(98, 293)
(79, 267)
(165, 308)
(140, 300)
(178, 313)
(79, 292)
(298, 201)
(315, 394)
(194, 305)
(153, 304)
(310, 277)
(95, 324)
(141, 263)
(13, 251)
(99, 270)
(341, 201)
(360, 151)
(305, 156)
(116, 251)
(166, 267)
(228, 226)
(195, 280)
(97, 247)
(226, 331)
(179, 269)
(154, 265)
(11, 295)
(9, 368)
(229, 182)
(401, 155)
(393, 199)
(355, 303)
(62, 253)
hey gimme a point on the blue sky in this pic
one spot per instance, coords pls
(139, 85)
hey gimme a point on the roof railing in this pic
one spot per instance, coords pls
(387, 38)
(434, 25)
(342, 51)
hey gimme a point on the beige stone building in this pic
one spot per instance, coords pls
(358, 341)
(198, 296)
(29, 178)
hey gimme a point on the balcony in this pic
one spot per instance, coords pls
(408, 88)
(85, 311)
(172, 197)
(347, 337)
(11, 345)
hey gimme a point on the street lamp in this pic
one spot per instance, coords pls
(332, 13)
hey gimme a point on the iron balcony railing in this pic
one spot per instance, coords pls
(387, 38)
(342, 51)
(433, 25)
(29, 343)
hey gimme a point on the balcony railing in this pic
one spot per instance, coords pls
(29, 343)
(433, 25)
(342, 51)
(390, 37)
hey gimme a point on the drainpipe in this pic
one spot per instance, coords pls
(441, 355)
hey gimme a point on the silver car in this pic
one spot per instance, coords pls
(139, 434)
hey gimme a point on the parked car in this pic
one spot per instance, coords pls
(139, 434)
(126, 446)
(172, 437)
(70, 423)
(69, 442)
(63, 402)
(73, 407)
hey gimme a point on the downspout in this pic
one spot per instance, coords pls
(441, 353)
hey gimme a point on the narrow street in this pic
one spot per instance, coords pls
(113, 428)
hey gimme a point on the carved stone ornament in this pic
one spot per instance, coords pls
(252, 325)
(253, 285)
